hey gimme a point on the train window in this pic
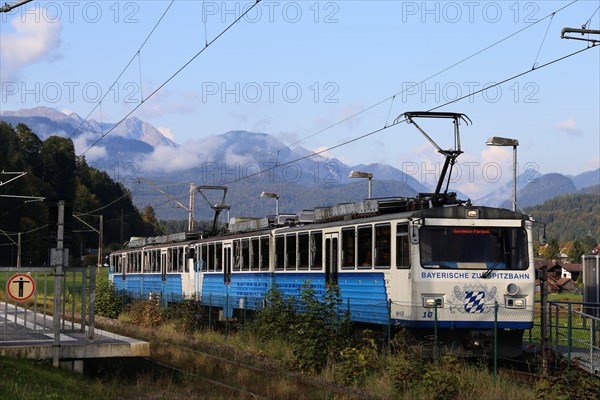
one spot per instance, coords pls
(348, 248)
(155, 261)
(264, 253)
(316, 250)
(290, 251)
(402, 246)
(145, 261)
(191, 255)
(473, 248)
(303, 249)
(219, 257)
(236, 255)
(383, 246)
(279, 252)
(114, 263)
(210, 260)
(245, 255)
(204, 257)
(181, 260)
(255, 253)
(227, 264)
(139, 261)
(174, 259)
(365, 246)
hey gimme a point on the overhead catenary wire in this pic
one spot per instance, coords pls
(135, 55)
(391, 98)
(387, 99)
(397, 121)
(170, 78)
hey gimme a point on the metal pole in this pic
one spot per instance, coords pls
(435, 331)
(370, 186)
(569, 339)
(92, 302)
(544, 317)
(495, 339)
(19, 250)
(100, 241)
(58, 277)
(514, 199)
(389, 327)
(191, 209)
(209, 310)
(277, 206)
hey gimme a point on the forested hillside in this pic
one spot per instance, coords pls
(55, 173)
(570, 217)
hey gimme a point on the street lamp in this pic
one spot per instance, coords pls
(359, 174)
(272, 195)
(500, 141)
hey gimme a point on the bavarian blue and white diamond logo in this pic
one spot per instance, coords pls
(472, 299)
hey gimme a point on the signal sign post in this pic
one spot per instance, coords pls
(20, 287)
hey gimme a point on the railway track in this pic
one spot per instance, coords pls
(242, 375)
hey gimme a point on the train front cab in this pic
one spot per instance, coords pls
(461, 265)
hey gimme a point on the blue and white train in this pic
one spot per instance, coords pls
(416, 263)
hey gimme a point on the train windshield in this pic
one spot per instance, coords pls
(473, 248)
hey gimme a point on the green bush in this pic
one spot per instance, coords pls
(146, 313)
(275, 319)
(356, 362)
(186, 315)
(442, 378)
(108, 301)
(320, 330)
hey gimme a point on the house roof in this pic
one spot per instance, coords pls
(573, 267)
(567, 266)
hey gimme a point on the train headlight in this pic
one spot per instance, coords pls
(512, 289)
(515, 302)
(520, 303)
(432, 301)
(472, 213)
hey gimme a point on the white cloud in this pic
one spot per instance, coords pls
(593, 163)
(191, 154)
(569, 127)
(29, 44)
(84, 141)
(323, 152)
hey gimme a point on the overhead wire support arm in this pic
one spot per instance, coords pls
(7, 7)
(173, 199)
(20, 175)
(216, 207)
(450, 154)
(565, 31)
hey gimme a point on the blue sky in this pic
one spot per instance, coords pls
(291, 69)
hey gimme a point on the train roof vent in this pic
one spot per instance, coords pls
(306, 216)
(365, 207)
(148, 241)
(283, 219)
(248, 224)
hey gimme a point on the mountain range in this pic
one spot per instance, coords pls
(250, 163)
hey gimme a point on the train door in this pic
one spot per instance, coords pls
(331, 258)
(163, 265)
(188, 255)
(227, 263)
